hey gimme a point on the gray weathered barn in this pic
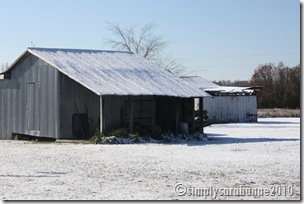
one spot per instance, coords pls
(228, 104)
(69, 93)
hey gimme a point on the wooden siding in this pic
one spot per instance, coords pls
(19, 103)
(171, 111)
(231, 109)
(165, 112)
(115, 111)
(74, 98)
(38, 100)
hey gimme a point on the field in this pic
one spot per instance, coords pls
(278, 113)
(239, 161)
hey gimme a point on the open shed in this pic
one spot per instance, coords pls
(228, 104)
(69, 93)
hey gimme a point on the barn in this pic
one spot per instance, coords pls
(228, 104)
(69, 93)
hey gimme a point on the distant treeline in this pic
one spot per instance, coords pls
(280, 85)
(3, 67)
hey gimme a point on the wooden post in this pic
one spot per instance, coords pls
(176, 115)
(153, 115)
(201, 114)
(192, 115)
(130, 102)
(183, 109)
(170, 114)
(101, 128)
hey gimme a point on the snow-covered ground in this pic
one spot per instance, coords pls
(241, 161)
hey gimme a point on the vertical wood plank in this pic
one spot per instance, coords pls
(130, 102)
(192, 100)
(201, 109)
(101, 115)
(176, 115)
(153, 115)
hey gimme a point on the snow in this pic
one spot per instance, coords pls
(255, 155)
(200, 82)
(209, 86)
(116, 72)
(230, 89)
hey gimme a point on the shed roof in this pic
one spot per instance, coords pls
(200, 82)
(213, 88)
(232, 89)
(115, 72)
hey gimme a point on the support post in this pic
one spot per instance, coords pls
(101, 128)
(176, 115)
(201, 114)
(183, 109)
(192, 115)
(170, 114)
(130, 103)
(153, 115)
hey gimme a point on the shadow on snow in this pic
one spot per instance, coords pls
(220, 139)
(232, 140)
(276, 122)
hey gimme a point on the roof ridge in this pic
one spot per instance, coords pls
(113, 72)
(77, 50)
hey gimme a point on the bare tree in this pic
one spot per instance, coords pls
(145, 43)
(281, 85)
(4, 66)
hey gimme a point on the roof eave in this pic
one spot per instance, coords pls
(18, 60)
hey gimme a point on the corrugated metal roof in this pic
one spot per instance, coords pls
(116, 72)
(211, 87)
(200, 82)
(231, 89)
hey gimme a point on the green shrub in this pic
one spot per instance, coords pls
(123, 133)
(97, 137)
(133, 135)
(119, 133)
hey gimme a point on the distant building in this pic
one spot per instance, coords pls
(228, 104)
(69, 93)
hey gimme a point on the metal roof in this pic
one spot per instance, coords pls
(115, 72)
(231, 89)
(200, 82)
(212, 88)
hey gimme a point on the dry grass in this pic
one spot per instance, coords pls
(278, 113)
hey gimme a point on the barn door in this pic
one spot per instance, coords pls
(33, 106)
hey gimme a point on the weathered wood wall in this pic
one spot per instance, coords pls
(74, 96)
(231, 109)
(29, 100)
(38, 100)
